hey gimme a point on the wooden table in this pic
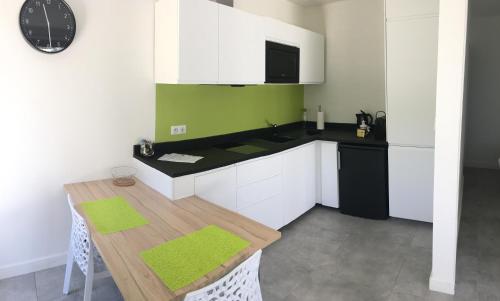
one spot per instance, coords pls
(168, 220)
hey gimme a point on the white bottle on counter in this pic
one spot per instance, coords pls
(320, 121)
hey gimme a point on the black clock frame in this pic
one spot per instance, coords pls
(70, 41)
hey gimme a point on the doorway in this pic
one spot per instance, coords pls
(478, 251)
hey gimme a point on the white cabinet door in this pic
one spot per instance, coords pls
(251, 194)
(259, 169)
(259, 192)
(268, 212)
(218, 186)
(241, 47)
(412, 47)
(186, 42)
(411, 183)
(312, 58)
(329, 174)
(299, 181)
(198, 41)
(281, 32)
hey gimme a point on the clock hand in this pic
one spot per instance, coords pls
(48, 25)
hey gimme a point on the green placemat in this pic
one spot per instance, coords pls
(184, 260)
(113, 215)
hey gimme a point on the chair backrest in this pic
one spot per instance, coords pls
(241, 284)
(80, 239)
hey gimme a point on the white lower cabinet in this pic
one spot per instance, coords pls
(259, 192)
(268, 212)
(276, 190)
(299, 181)
(251, 194)
(218, 186)
(273, 190)
(411, 183)
(328, 165)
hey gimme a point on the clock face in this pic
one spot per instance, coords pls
(48, 25)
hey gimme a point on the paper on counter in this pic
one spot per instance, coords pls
(180, 158)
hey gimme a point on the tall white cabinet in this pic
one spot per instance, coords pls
(412, 47)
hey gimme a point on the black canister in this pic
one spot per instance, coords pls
(380, 126)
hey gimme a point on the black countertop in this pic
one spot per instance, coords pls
(217, 157)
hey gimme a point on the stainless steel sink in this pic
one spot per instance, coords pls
(278, 139)
(240, 148)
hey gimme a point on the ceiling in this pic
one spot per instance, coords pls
(478, 7)
(311, 2)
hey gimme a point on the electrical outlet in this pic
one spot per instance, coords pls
(178, 130)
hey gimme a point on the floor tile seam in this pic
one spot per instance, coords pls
(36, 285)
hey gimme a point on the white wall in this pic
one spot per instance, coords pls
(279, 9)
(448, 145)
(355, 60)
(72, 116)
(482, 143)
(68, 117)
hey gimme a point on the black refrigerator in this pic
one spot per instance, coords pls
(363, 181)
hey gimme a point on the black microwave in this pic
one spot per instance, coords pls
(282, 63)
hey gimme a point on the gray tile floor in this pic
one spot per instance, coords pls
(329, 256)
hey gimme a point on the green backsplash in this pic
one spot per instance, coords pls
(217, 110)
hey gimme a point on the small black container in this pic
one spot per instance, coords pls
(380, 126)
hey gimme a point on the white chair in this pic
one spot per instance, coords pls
(82, 251)
(241, 284)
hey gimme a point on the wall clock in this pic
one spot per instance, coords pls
(47, 25)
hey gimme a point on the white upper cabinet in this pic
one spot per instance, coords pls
(241, 47)
(411, 8)
(186, 42)
(311, 44)
(281, 32)
(312, 58)
(203, 42)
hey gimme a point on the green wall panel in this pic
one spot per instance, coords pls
(216, 110)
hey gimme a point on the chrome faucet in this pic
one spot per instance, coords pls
(274, 126)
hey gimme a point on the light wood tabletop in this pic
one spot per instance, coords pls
(168, 220)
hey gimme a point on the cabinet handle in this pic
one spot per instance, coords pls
(338, 161)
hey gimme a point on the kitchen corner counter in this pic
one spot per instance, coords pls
(215, 157)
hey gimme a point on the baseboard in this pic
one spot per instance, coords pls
(441, 286)
(31, 266)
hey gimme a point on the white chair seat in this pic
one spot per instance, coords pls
(241, 284)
